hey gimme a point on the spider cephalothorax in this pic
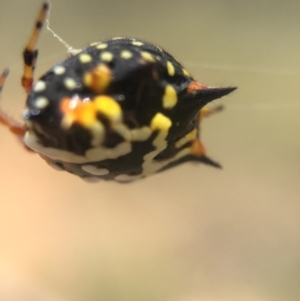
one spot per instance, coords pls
(119, 109)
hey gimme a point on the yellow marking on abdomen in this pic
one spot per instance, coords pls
(170, 97)
(126, 54)
(109, 107)
(160, 122)
(187, 138)
(98, 79)
(85, 58)
(137, 43)
(147, 56)
(170, 68)
(106, 56)
(101, 46)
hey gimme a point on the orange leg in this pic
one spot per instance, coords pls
(197, 148)
(30, 53)
(205, 112)
(29, 57)
(13, 125)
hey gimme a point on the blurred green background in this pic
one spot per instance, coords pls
(193, 233)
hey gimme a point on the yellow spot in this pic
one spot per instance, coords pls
(137, 43)
(170, 68)
(98, 79)
(108, 107)
(106, 56)
(85, 58)
(170, 97)
(160, 122)
(147, 56)
(70, 83)
(185, 72)
(126, 54)
(101, 46)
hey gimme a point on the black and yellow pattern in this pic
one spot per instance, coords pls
(119, 109)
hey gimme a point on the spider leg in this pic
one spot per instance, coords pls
(14, 126)
(206, 112)
(3, 78)
(29, 56)
(30, 53)
(197, 148)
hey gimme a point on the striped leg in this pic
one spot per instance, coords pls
(29, 57)
(30, 53)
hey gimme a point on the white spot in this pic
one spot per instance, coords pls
(39, 86)
(91, 179)
(101, 46)
(85, 58)
(58, 70)
(70, 83)
(93, 170)
(127, 178)
(91, 155)
(41, 102)
(126, 54)
(137, 43)
(106, 56)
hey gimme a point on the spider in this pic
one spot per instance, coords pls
(119, 109)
